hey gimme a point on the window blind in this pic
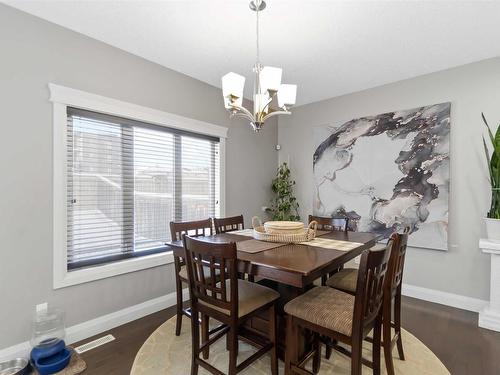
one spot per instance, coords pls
(126, 180)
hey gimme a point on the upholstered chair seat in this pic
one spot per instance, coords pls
(325, 307)
(345, 280)
(251, 296)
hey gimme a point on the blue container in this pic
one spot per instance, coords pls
(51, 358)
(55, 363)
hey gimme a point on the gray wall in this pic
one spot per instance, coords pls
(34, 52)
(471, 89)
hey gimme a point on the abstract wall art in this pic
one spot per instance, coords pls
(387, 172)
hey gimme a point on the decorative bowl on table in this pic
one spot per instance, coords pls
(283, 231)
(284, 227)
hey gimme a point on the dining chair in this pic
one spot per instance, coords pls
(228, 224)
(340, 316)
(177, 229)
(345, 280)
(340, 224)
(331, 223)
(230, 301)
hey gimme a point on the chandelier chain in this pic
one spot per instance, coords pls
(257, 31)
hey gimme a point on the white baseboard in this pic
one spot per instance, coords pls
(103, 323)
(489, 319)
(444, 298)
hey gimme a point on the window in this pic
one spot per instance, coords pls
(121, 172)
(127, 179)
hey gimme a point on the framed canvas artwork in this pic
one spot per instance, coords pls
(387, 172)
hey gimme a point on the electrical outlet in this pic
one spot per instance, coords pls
(42, 307)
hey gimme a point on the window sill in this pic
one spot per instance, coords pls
(84, 275)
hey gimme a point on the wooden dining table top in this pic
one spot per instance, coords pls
(297, 265)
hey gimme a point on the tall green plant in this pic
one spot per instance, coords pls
(284, 205)
(494, 169)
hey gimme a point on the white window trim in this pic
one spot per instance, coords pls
(62, 97)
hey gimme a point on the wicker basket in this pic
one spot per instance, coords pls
(259, 233)
(284, 227)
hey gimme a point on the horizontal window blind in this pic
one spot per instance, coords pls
(126, 180)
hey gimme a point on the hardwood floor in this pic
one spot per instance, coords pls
(452, 334)
(117, 357)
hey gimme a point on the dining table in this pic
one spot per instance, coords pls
(289, 268)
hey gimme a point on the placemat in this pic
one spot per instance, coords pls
(321, 232)
(332, 244)
(255, 246)
(242, 232)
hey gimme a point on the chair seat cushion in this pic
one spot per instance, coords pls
(326, 307)
(184, 275)
(251, 296)
(346, 280)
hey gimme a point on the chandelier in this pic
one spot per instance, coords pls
(270, 97)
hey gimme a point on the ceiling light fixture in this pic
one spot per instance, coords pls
(270, 97)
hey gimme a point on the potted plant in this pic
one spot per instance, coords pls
(493, 218)
(284, 205)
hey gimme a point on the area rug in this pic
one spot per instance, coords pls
(165, 353)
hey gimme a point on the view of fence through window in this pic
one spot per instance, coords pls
(126, 182)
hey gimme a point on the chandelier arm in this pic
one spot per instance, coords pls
(247, 115)
(243, 115)
(268, 103)
(242, 109)
(276, 113)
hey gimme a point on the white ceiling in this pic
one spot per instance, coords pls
(328, 48)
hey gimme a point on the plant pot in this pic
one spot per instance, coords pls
(493, 229)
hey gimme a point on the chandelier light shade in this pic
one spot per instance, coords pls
(270, 97)
(232, 87)
(287, 95)
(270, 78)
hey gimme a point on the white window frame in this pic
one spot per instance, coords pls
(63, 97)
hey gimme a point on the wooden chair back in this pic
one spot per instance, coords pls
(397, 262)
(208, 263)
(228, 224)
(331, 223)
(371, 284)
(191, 228)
